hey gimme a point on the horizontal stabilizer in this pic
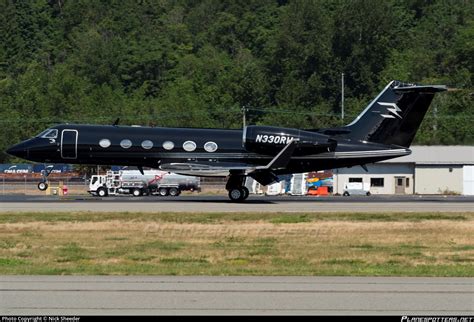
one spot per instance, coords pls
(421, 88)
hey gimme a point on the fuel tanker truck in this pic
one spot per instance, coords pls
(151, 182)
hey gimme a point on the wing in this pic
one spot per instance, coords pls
(203, 168)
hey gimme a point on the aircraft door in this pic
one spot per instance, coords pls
(69, 144)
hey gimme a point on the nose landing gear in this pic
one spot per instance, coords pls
(237, 190)
(43, 184)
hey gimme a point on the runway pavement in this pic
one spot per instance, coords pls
(80, 295)
(14, 203)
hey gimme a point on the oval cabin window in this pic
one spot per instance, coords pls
(126, 143)
(104, 143)
(168, 145)
(147, 144)
(210, 146)
(189, 146)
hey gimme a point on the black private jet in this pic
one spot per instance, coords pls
(384, 130)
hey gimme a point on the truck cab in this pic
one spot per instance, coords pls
(98, 186)
(104, 185)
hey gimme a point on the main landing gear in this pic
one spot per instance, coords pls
(237, 190)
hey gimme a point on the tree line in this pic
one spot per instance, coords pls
(202, 63)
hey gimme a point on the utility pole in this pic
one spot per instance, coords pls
(244, 110)
(342, 96)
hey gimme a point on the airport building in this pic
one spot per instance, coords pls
(428, 170)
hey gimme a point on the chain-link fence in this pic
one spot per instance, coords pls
(27, 184)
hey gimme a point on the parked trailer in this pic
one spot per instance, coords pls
(151, 182)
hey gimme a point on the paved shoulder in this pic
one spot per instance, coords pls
(202, 203)
(233, 207)
(21, 295)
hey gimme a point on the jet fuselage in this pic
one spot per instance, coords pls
(165, 148)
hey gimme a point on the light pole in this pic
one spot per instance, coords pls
(342, 96)
(244, 110)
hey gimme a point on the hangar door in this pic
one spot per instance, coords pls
(468, 180)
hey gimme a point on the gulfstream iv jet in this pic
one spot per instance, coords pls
(384, 130)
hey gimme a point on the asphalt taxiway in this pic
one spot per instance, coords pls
(199, 203)
(146, 295)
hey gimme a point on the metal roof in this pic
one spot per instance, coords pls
(438, 154)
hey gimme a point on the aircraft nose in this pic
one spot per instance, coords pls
(19, 150)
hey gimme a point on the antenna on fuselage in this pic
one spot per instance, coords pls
(116, 121)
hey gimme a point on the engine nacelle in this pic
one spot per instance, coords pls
(271, 140)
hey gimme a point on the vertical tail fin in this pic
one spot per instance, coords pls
(395, 115)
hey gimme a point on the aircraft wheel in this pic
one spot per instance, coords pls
(137, 192)
(42, 186)
(246, 193)
(102, 192)
(346, 194)
(163, 192)
(368, 193)
(174, 192)
(236, 194)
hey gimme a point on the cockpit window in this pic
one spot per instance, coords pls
(49, 134)
(42, 133)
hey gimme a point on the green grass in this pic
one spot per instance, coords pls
(262, 246)
(185, 260)
(189, 266)
(290, 218)
(160, 245)
(71, 252)
(6, 244)
(344, 262)
(11, 262)
(464, 247)
(116, 238)
(216, 218)
(379, 244)
(140, 257)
